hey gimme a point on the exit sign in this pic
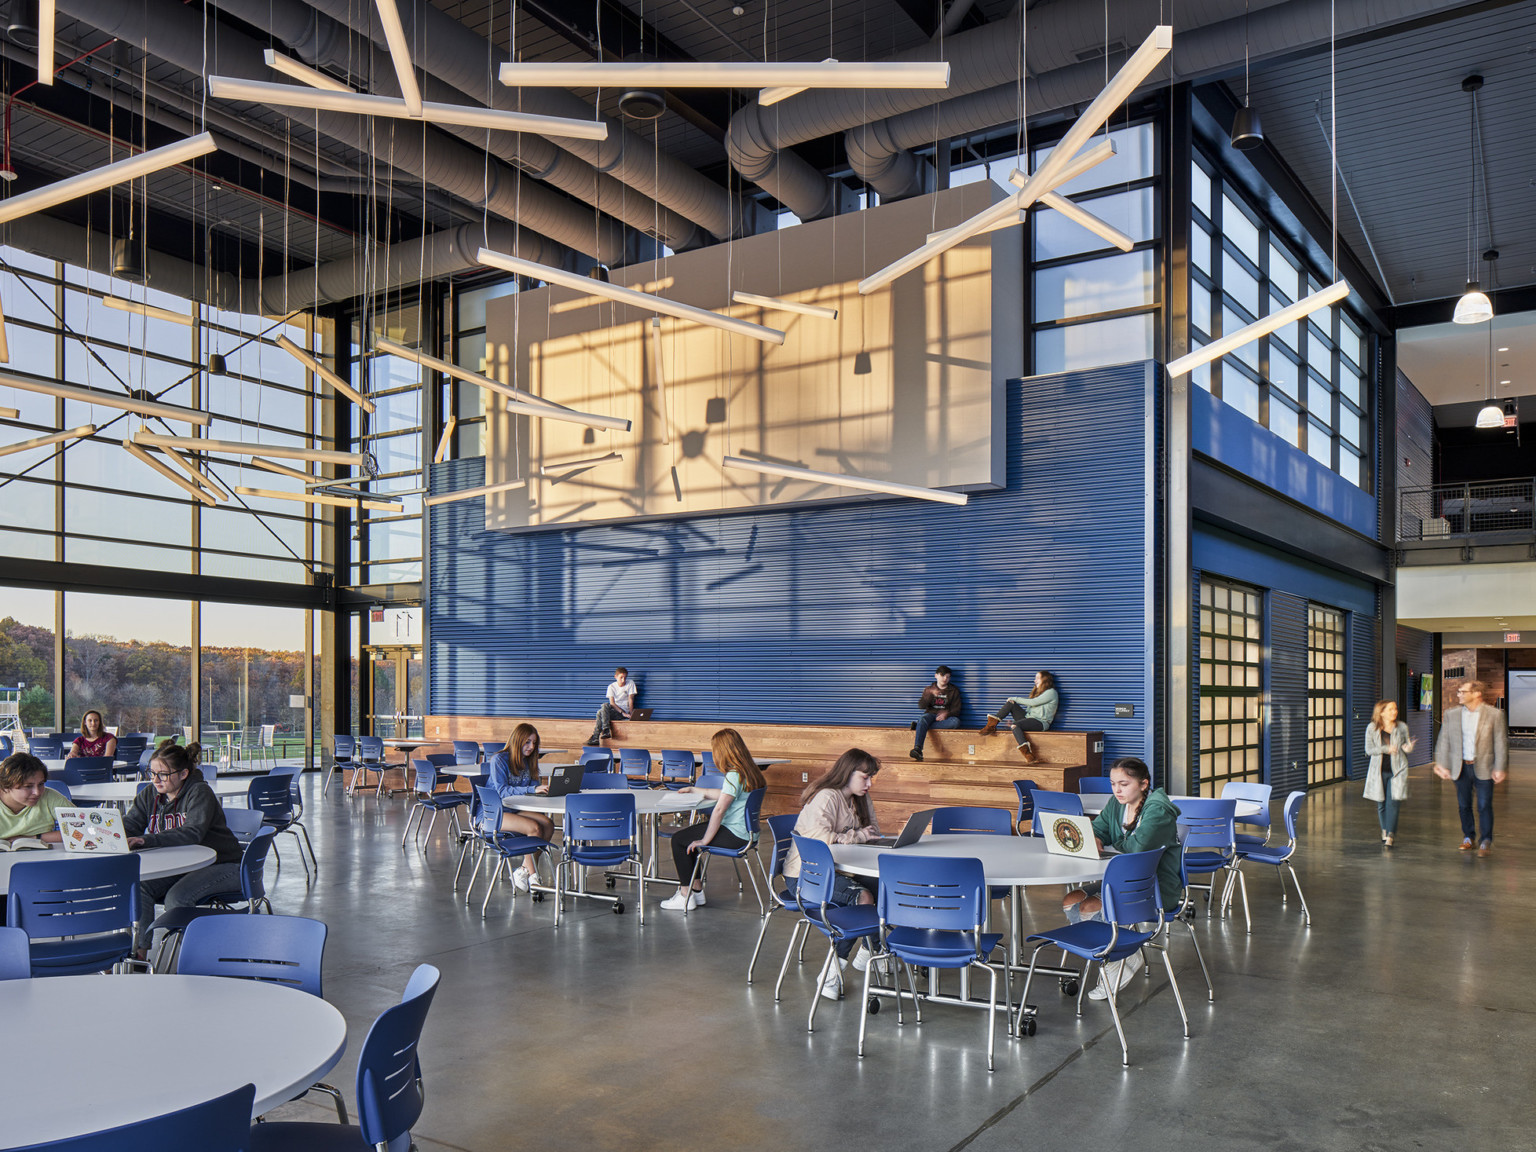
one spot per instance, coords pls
(1511, 637)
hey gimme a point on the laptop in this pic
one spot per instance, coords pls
(97, 830)
(640, 714)
(1071, 836)
(565, 779)
(917, 824)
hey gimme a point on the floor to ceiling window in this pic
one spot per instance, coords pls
(1231, 695)
(129, 658)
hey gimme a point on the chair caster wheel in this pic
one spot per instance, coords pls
(1027, 1026)
(538, 897)
(618, 908)
(873, 1006)
(1069, 987)
(609, 882)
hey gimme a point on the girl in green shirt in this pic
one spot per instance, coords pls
(27, 804)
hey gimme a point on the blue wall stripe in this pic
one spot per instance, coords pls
(1288, 753)
(835, 614)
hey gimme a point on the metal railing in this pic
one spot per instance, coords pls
(1446, 510)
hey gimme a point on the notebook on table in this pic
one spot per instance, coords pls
(917, 824)
(92, 829)
(1071, 836)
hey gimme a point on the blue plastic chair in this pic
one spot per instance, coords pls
(710, 779)
(88, 770)
(747, 852)
(130, 750)
(15, 955)
(707, 759)
(45, 748)
(1131, 897)
(6, 747)
(490, 748)
(962, 821)
(676, 768)
(601, 759)
(507, 845)
(1278, 855)
(932, 911)
(635, 764)
(1065, 803)
(1207, 832)
(272, 796)
(244, 823)
(466, 752)
(781, 828)
(145, 757)
(1026, 818)
(341, 757)
(603, 781)
(429, 799)
(78, 914)
(838, 923)
(367, 756)
(287, 950)
(252, 892)
(1094, 786)
(222, 1124)
(61, 788)
(601, 831)
(1258, 793)
(389, 1088)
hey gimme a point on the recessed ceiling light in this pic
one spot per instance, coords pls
(1503, 349)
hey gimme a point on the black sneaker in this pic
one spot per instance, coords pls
(912, 727)
(915, 754)
(590, 742)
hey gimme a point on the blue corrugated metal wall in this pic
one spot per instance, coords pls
(826, 615)
(1287, 629)
(1362, 688)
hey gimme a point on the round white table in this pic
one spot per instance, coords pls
(154, 863)
(171, 1042)
(123, 791)
(650, 805)
(1095, 802)
(1009, 861)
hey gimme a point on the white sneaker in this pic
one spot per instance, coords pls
(1111, 971)
(698, 899)
(1131, 965)
(832, 981)
(521, 880)
(862, 957)
(679, 902)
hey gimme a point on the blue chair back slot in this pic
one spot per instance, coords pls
(1257, 793)
(1094, 786)
(88, 770)
(782, 829)
(490, 748)
(1292, 806)
(635, 761)
(222, 1124)
(932, 893)
(45, 748)
(60, 787)
(244, 823)
(711, 780)
(1130, 889)
(272, 796)
(1206, 826)
(466, 752)
(253, 866)
(342, 748)
(91, 901)
(600, 781)
(15, 954)
(595, 755)
(708, 759)
(369, 749)
(272, 949)
(971, 821)
(676, 767)
(486, 811)
(389, 1095)
(594, 817)
(818, 872)
(426, 776)
(1066, 803)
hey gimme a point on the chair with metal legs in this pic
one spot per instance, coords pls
(747, 852)
(1131, 898)
(222, 1124)
(602, 830)
(367, 756)
(781, 828)
(1046, 802)
(1025, 820)
(507, 846)
(838, 923)
(1094, 786)
(1278, 855)
(1207, 833)
(429, 799)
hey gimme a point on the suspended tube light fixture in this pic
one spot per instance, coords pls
(325, 374)
(99, 179)
(312, 498)
(47, 29)
(303, 73)
(1261, 327)
(569, 466)
(196, 473)
(888, 487)
(246, 448)
(768, 97)
(362, 104)
(5, 344)
(1079, 215)
(284, 470)
(400, 54)
(196, 490)
(649, 301)
(149, 311)
(389, 347)
(784, 305)
(51, 438)
(472, 493)
(789, 77)
(116, 400)
(1051, 172)
(10, 413)
(568, 416)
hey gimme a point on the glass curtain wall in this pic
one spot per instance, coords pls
(387, 547)
(130, 659)
(253, 662)
(28, 660)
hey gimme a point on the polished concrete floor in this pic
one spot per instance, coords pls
(1399, 1020)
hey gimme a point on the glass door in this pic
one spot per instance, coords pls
(397, 693)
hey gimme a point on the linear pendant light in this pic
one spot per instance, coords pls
(1003, 214)
(303, 73)
(661, 381)
(1096, 155)
(363, 104)
(313, 498)
(889, 487)
(471, 493)
(107, 399)
(97, 179)
(5, 344)
(196, 473)
(567, 416)
(631, 296)
(446, 439)
(400, 53)
(47, 28)
(389, 347)
(783, 305)
(768, 97)
(719, 74)
(284, 470)
(180, 481)
(147, 310)
(325, 373)
(246, 448)
(44, 441)
(10, 413)
(1080, 215)
(1262, 327)
(568, 466)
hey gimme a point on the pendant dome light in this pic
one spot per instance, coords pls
(1247, 132)
(1490, 415)
(1474, 307)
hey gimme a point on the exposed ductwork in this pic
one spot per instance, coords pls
(878, 152)
(468, 62)
(175, 34)
(427, 258)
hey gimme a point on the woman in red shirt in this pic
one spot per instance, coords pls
(94, 740)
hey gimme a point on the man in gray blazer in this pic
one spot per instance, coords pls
(1473, 750)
